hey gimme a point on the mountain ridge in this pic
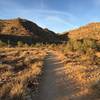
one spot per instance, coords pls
(24, 28)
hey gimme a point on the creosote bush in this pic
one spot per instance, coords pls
(81, 45)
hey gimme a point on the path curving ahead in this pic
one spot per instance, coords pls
(54, 85)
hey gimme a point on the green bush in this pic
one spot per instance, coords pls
(88, 43)
(2, 43)
(81, 45)
(20, 43)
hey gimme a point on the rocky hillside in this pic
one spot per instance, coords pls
(91, 31)
(26, 31)
(18, 29)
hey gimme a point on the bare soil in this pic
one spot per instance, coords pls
(55, 84)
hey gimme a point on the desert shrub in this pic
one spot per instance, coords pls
(90, 53)
(26, 45)
(73, 45)
(2, 43)
(81, 45)
(20, 43)
(37, 45)
(8, 43)
(70, 45)
(88, 43)
(98, 46)
(51, 46)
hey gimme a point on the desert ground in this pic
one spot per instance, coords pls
(48, 73)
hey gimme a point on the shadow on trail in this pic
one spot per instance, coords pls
(55, 84)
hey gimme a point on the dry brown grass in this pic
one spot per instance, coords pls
(20, 70)
(88, 31)
(98, 54)
(85, 72)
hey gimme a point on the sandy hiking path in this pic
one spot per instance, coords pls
(55, 85)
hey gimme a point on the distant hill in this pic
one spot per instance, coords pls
(90, 31)
(24, 30)
(19, 29)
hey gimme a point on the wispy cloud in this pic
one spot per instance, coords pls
(41, 14)
(45, 11)
(14, 6)
(58, 19)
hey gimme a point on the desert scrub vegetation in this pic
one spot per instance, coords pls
(81, 45)
(20, 71)
(85, 73)
(82, 62)
(2, 43)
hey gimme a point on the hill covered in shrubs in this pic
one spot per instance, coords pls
(91, 31)
(26, 31)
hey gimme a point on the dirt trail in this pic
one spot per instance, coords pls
(55, 84)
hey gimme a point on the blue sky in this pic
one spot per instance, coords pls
(57, 15)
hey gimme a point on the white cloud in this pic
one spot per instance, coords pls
(11, 6)
(45, 11)
(57, 19)
(42, 15)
